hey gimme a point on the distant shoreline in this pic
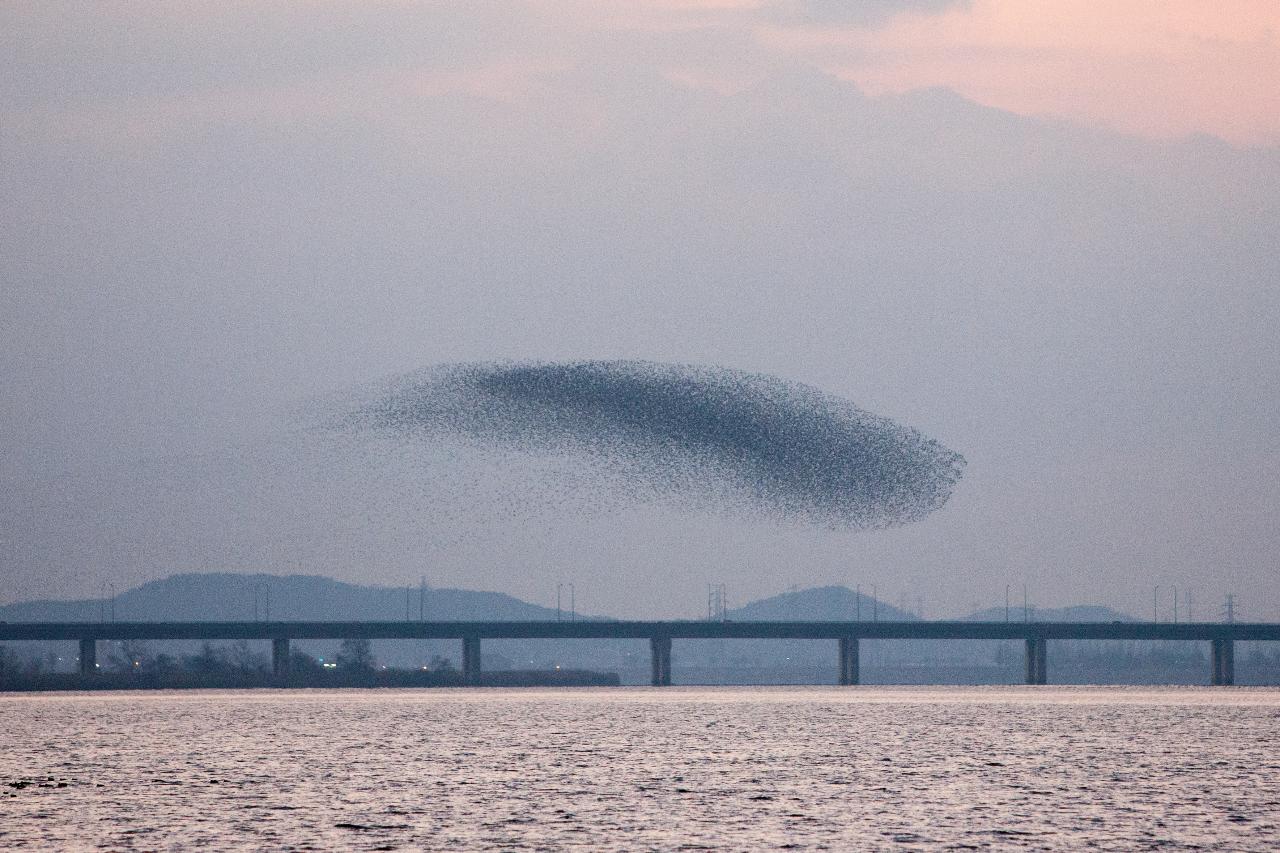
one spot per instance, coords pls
(54, 682)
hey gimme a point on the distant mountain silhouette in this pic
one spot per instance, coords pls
(227, 596)
(821, 603)
(224, 596)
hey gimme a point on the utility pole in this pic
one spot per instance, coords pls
(1155, 603)
(1026, 610)
(559, 587)
(1230, 608)
(408, 604)
(1175, 604)
(1006, 602)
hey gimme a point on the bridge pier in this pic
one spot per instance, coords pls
(280, 659)
(471, 660)
(660, 648)
(1223, 654)
(88, 657)
(848, 660)
(1037, 660)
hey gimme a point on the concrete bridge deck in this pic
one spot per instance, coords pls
(1220, 635)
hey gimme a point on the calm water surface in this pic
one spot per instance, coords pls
(635, 769)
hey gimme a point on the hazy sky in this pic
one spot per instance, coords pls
(1043, 233)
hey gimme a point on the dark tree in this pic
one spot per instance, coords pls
(356, 654)
(129, 656)
(245, 660)
(300, 661)
(209, 660)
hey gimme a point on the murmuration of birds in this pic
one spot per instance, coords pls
(741, 440)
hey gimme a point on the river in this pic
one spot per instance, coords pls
(1055, 768)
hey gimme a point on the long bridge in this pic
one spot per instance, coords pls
(1221, 636)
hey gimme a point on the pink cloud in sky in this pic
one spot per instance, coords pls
(1166, 69)
(1158, 68)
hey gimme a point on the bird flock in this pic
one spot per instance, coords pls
(653, 430)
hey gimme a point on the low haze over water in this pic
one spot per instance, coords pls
(626, 769)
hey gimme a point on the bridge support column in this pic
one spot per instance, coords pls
(660, 648)
(471, 660)
(88, 657)
(280, 657)
(1224, 662)
(1037, 660)
(848, 660)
